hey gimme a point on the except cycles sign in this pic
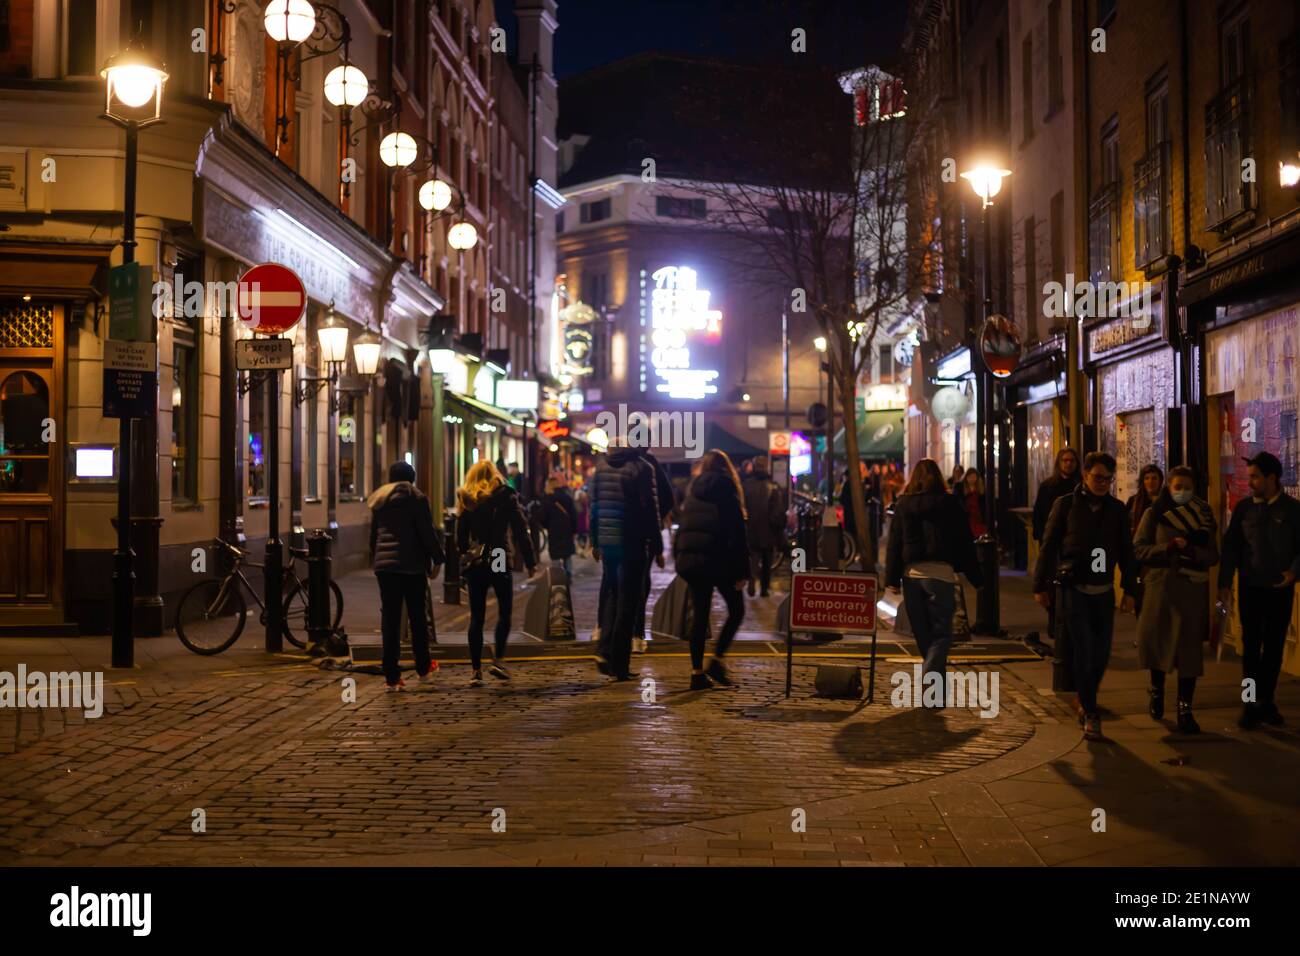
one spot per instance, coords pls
(843, 603)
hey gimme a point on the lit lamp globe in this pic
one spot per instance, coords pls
(346, 86)
(398, 149)
(435, 195)
(462, 236)
(333, 336)
(365, 352)
(289, 21)
(132, 78)
(986, 181)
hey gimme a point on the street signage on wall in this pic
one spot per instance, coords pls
(842, 603)
(778, 443)
(130, 379)
(254, 354)
(272, 298)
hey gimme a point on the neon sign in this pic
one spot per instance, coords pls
(679, 314)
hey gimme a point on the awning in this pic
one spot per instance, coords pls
(715, 436)
(880, 435)
(482, 408)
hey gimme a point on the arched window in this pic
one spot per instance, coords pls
(24, 450)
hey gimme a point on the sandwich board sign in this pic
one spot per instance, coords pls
(839, 602)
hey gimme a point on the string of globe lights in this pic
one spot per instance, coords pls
(295, 23)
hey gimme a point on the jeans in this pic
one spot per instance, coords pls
(1265, 617)
(1091, 620)
(622, 588)
(638, 619)
(396, 590)
(502, 583)
(701, 601)
(760, 565)
(931, 605)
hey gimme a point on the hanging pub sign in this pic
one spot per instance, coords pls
(553, 429)
(1000, 345)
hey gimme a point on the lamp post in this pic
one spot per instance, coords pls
(819, 343)
(986, 181)
(131, 80)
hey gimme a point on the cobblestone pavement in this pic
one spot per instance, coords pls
(584, 772)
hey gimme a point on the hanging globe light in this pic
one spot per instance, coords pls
(435, 195)
(289, 21)
(346, 86)
(462, 236)
(398, 149)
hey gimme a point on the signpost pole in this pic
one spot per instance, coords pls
(789, 654)
(871, 678)
(274, 569)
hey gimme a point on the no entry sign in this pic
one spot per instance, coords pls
(842, 603)
(272, 298)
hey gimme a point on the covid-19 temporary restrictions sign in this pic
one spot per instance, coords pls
(272, 299)
(839, 602)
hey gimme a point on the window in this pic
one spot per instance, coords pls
(559, 221)
(185, 392)
(1027, 86)
(1151, 213)
(677, 207)
(312, 407)
(1033, 297)
(1057, 227)
(595, 290)
(81, 59)
(1227, 131)
(1103, 231)
(349, 438)
(885, 364)
(255, 466)
(596, 211)
(1055, 62)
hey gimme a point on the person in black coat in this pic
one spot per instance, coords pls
(624, 523)
(930, 543)
(560, 519)
(664, 503)
(1063, 481)
(711, 551)
(765, 506)
(1086, 538)
(490, 518)
(404, 549)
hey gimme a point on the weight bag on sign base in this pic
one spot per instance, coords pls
(839, 681)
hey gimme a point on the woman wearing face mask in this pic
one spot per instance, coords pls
(1176, 545)
(1150, 481)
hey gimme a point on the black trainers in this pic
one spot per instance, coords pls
(476, 679)
(1186, 722)
(1092, 728)
(717, 672)
(602, 665)
(1156, 702)
(701, 682)
(498, 671)
(1271, 715)
(1249, 718)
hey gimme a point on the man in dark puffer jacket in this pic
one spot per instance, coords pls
(404, 548)
(624, 515)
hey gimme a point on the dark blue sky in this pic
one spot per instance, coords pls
(841, 33)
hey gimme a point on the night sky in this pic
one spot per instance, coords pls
(841, 33)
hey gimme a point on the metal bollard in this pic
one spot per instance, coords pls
(451, 572)
(319, 566)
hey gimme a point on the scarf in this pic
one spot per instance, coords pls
(1189, 519)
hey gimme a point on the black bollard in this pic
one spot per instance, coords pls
(451, 573)
(319, 569)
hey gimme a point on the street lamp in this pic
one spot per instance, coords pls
(435, 195)
(462, 236)
(289, 21)
(346, 86)
(131, 79)
(398, 149)
(986, 181)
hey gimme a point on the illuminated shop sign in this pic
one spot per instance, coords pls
(552, 429)
(682, 333)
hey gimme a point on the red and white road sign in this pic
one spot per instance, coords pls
(272, 299)
(844, 603)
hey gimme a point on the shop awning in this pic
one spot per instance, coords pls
(715, 436)
(880, 435)
(482, 408)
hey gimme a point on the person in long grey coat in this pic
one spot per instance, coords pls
(1176, 546)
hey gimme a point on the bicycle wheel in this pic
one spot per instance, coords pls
(848, 548)
(295, 612)
(211, 616)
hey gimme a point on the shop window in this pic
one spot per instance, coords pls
(255, 464)
(185, 399)
(24, 453)
(351, 440)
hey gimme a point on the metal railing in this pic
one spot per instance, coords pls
(1151, 239)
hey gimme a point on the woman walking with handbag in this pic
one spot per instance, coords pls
(560, 521)
(711, 551)
(489, 516)
(1175, 544)
(930, 541)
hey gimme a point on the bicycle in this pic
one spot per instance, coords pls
(211, 615)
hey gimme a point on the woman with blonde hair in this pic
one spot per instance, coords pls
(711, 551)
(489, 516)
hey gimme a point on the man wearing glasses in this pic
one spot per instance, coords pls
(1086, 538)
